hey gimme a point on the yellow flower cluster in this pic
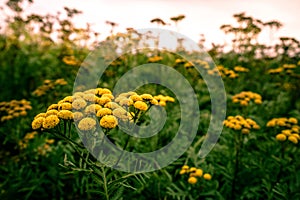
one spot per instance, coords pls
(13, 109)
(154, 59)
(47, 86)
(202, 64)
(55, 112)
(224, 72)
(84, 107)
(283, 122)
(239, 123)
(71, 60)
(188, 65)
(240, 69)
(289, 134)
(24, 142)
(245, 97)
(180, 61)
(194, 173)
(286, 68)
(45, 148)
(162, 100)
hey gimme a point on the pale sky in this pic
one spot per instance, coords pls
(202, 17)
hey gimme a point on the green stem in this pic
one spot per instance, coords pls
(126, 144)
(105, 184)
(238, 146)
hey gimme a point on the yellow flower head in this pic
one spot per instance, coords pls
(103, 111)
(92, 109)
(108, 121)
(136, 97)
(51, 112)
(185, 167)
(108, 96)
(65, 106)
(53, 107)
(120, 113)
(293, 139)
(140, 105)
(68, 99)
(293, 120)
(111, 105)
(77, 116)
(103, 100)
(199, 172)
(207, 176)
(50, 121)
(147, 97)
(280, 137)
(40, 115)
(37, 123)
(90, 97)
(245, 131)
(192, 180)
(86, 124)
(153, 102)
(79, 104)
(65, 114)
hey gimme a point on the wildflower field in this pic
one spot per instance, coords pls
(56, 130)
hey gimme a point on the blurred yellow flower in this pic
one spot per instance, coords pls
(192, 180)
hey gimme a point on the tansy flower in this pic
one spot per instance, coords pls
(108, 121)
(103, 111)
(111, 105)
(53, 107)
(65, 106)
(108, 95)
(65, 114)
(147, 97)
(293, 120)
(79, 104)
(92, 109)
(51, 112)
(50, 121)
(120, 113)
(207, 176)
(293, 139)
(140, 105)
(103, 100)
(192, 180)
(136, 97)
(68, 99)
(86, 124)
(77, 116)
(281, 137)
(89, 97)
(126, 102)
(37, 123)
(153, 102)
(40, 115)
(162, 103)
(245, 131)
(198, 172)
